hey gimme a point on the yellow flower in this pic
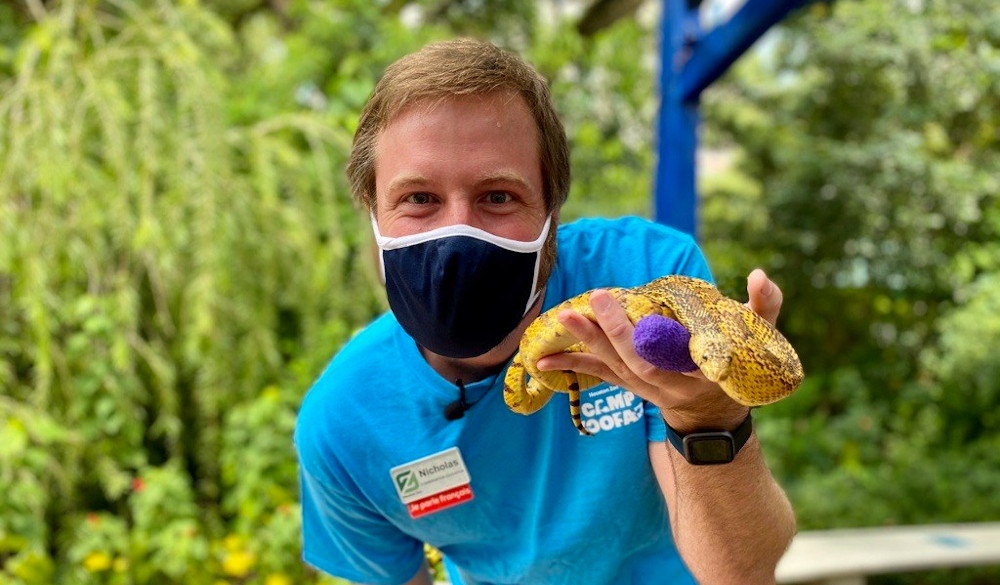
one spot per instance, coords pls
(238, 563)
(277, 579)
(97, 561)
(433, 555)
(232, 543)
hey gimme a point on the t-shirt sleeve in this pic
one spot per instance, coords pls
(656, 430)
(625, 252)
(692, 262)
(345, 536)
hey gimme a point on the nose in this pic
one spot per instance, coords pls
(459, 211)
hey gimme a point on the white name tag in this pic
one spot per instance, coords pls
(433, 483)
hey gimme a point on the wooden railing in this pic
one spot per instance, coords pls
(848, 556)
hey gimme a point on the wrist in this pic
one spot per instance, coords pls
(711, 446)
(719, 416)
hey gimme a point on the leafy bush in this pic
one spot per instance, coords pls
(866, 181)
(165, 264)
(180, 256)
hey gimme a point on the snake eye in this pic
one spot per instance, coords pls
(704, 358)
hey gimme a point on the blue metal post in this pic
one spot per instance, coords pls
(690, 63)
(678, 123)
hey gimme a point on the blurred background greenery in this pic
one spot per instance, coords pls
(179, 254)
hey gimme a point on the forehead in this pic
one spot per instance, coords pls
(506, 109)
(460, 134)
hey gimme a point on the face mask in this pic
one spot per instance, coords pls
(459, 290)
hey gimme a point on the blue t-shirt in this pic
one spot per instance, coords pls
(549, 506)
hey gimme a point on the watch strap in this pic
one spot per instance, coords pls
(737, 438)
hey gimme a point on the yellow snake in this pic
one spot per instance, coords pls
(732, 346)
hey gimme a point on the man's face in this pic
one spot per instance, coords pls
(470, 160)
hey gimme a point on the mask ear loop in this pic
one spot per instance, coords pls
(535, 293)
(378, 243)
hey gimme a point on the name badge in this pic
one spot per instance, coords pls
(432, 483)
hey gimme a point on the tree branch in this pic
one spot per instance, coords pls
(603, 13)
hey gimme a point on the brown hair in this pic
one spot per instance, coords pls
(456, 68)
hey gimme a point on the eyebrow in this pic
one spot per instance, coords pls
(504, 177)
(407, 181)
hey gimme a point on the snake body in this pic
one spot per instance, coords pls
(732, 346)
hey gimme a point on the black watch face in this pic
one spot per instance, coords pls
(709, 450)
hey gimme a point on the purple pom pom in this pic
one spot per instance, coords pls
(663, 342)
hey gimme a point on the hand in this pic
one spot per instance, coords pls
(686, 401)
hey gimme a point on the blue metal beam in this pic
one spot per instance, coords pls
(690, 62)
(716, 51)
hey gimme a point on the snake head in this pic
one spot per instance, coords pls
(713, 354)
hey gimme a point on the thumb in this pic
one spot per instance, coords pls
(765, 296)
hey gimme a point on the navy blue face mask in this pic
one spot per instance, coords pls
(457, 290)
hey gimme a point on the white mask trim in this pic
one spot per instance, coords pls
(535, 246)
(390, 243)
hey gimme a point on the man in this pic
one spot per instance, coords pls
(405, 439)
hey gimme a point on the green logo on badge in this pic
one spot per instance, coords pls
(407, 482)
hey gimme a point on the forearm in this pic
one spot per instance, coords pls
(731, 522)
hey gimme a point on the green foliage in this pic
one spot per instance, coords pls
(867, 165)
(965, 365)
(607, 100)
(166, 255)
(180, 256)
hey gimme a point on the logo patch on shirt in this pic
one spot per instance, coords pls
(610, 407)
(432, 483)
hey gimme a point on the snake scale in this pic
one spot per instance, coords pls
(732, 346)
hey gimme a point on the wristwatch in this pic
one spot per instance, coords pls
(711, 447)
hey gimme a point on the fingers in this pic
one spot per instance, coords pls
(765, 296)
(611, 354)
(602, 360)
(617, 340)
(581, 363)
